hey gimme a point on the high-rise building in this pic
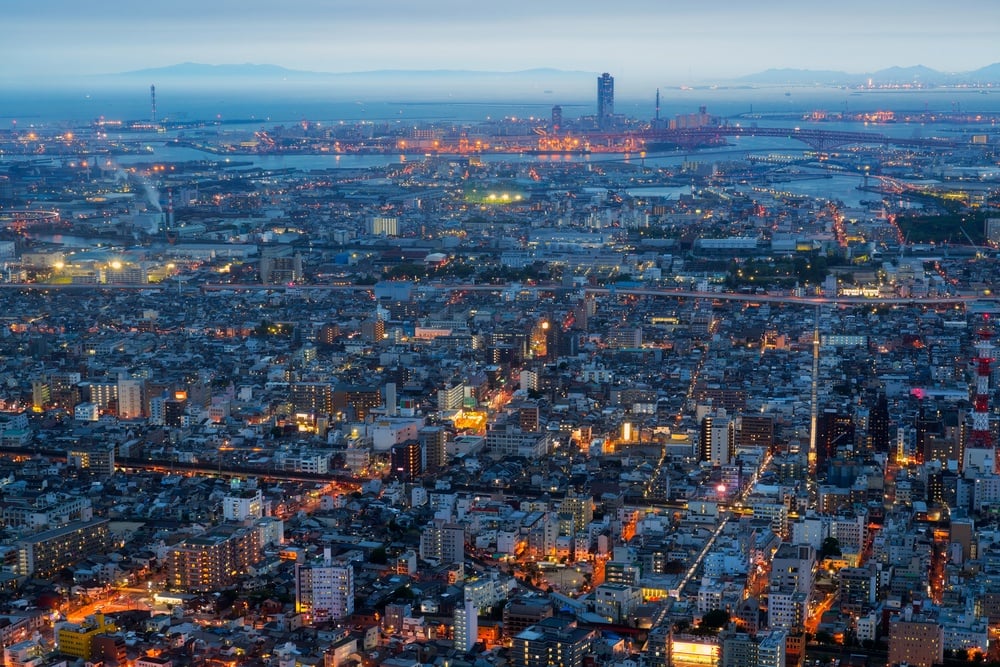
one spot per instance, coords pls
(450, 398)
(359, 399)
(790, 585)
(214, 560)
(878, 425)
(314, 398)
(44, 554)
(834, 429)
(466, 626)
(173, 410)
(405, 460)
(529, 416)
(605, 100)
(328, 334)
(324, 590)
(443, 541)
(557, 118)
(130, 399)
(552, 641)
(915, 640)
(754, 431)
(279, 268)
(434, 447)
(98, 459)
(716, 442)
(521, 612)
(580, 507)
(41, 394)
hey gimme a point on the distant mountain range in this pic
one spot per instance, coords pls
(890, 76)
(531, 83)
(411, 84)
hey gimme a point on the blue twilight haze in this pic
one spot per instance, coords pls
(644, 42)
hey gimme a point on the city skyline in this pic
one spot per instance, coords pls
(643, 44)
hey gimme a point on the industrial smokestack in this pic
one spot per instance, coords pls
(170, 209)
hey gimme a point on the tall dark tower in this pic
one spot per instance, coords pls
(557, 118)
(605, 99)
(657, 104)
(152, 102)
(878, 424)
(833, 429)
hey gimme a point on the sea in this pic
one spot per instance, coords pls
(25, 108)
(774, 106)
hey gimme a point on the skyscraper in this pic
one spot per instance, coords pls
(605, 100)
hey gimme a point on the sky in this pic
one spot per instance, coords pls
(644, 41)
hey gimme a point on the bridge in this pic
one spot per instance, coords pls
(820, 140)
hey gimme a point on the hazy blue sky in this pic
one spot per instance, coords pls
(657, 41)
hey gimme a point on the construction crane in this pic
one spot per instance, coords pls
(979, 253)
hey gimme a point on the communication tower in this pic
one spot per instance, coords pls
(980, 436)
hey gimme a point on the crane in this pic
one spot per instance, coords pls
(979, 254)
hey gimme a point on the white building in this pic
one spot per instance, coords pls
(86, 412)
(443, 542)
(129, 399)
(466, 628)
(616, 601)
(324, 590)
(243, 505)
(379, 225)
(390, 431)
